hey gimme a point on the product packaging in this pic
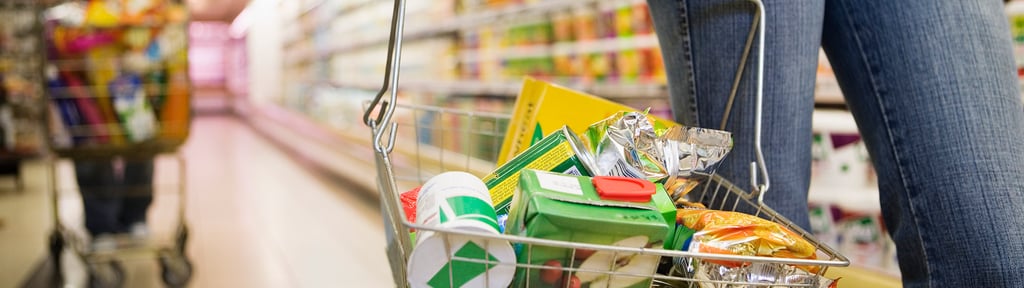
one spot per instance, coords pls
(458, 200)
(543, 108)
(693, 154)
(577, 209)
(727, 232)
(756, 275)
(133, 108)
(561, 151)
(628, 144)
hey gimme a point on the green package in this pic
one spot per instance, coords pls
(667, 208)
(568, 208)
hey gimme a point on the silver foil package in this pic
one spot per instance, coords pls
(712, 275)
(696, 153)
(628, 145)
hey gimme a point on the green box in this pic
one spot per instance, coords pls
(567, 208)
(560, 151)
(667, 208)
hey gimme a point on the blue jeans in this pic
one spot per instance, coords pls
(933, 88)
(114, 199)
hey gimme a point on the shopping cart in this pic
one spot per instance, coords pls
(439, 146)
(118, 91)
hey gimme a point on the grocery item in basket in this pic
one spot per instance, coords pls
(93, 128)
(175, 112)
(569, 208)
(408, 199)
(561, 151)
(667, 208)
(694, 154)
(756, 275)
(627, 144)
(459, 201)
(137, 117)
(542, 108)
(727, 232)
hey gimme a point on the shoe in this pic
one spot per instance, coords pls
(139, 231)
(104, 243)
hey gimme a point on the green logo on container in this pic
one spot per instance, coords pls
(462, 272)
(469, 208)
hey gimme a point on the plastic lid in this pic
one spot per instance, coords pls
(624, 188)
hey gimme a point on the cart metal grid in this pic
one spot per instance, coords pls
(443, 141)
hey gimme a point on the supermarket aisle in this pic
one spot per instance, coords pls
(262, 220)
(258, 218)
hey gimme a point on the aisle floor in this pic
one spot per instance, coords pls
(258, 218)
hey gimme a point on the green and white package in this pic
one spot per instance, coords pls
(458, 200)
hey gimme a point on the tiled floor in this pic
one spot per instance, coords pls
(258, 219)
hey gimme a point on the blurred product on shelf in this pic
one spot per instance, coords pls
(606, 42)
(20, 87)
(844, 201)
(117, 74)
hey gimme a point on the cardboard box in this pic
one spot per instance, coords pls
(543, 108)
(569, 208)
(561, 151)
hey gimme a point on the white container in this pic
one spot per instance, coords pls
(458, 200)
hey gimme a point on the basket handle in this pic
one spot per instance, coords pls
(387, 108)
(758, 166)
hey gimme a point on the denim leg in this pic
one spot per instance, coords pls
(705, 39)
(933, 88)
(102, 205)
(670, 22)
(138, 183)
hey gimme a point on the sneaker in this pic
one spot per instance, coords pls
(104, 243)
(139, 231)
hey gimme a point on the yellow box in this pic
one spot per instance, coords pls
(542, 108)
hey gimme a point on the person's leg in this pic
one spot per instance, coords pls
(932, 86)
(102, 206)
(702, 43)
(138, 181)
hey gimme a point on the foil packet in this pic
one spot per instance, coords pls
(726, 232)
(628, 145)
(695, 153)
(712, 275)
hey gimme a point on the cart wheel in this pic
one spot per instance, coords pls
(175, 269)
(109, 274)
(56, 249)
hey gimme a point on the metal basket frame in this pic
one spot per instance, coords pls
(722, 194)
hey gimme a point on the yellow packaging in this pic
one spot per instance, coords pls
(542, 108)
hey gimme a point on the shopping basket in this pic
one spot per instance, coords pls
(117, 87)
(450, 139)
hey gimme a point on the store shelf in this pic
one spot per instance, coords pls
(582, 47)
(357, 145)
(511, 88)
(459, 23)
(298, 32)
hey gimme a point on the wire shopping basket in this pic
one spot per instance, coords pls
(450, 139)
